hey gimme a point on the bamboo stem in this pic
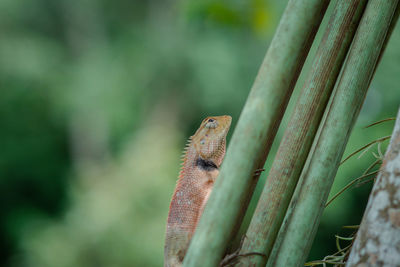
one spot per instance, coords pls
(301, 222)
(300, 132)
(255, 130)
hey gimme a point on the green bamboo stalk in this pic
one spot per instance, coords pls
(255, 130)
(300, 132)
(302, 219)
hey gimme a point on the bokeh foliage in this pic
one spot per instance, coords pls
(97, 100)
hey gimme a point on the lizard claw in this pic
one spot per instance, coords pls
(231, 259)
(258, 172)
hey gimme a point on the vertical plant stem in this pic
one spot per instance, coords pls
(302, 219)
(300, 132)
(255, 130)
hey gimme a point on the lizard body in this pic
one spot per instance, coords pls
(202, 158)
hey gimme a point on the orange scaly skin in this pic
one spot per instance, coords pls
(202, 159)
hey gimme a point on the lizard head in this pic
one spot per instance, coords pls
(210, 139)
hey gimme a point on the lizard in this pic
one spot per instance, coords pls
(202, 159)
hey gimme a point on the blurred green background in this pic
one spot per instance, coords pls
(97, 101)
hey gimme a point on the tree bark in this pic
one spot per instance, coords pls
(378, 240)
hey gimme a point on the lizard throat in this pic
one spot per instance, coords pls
(206, 165)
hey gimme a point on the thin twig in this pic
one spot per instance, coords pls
(349, 185)
(351, 226)
(377, 122)
(376, 162)
(365, 146)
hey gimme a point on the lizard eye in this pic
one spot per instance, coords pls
(211, 124)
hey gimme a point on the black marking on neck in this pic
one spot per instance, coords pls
(206, 165)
